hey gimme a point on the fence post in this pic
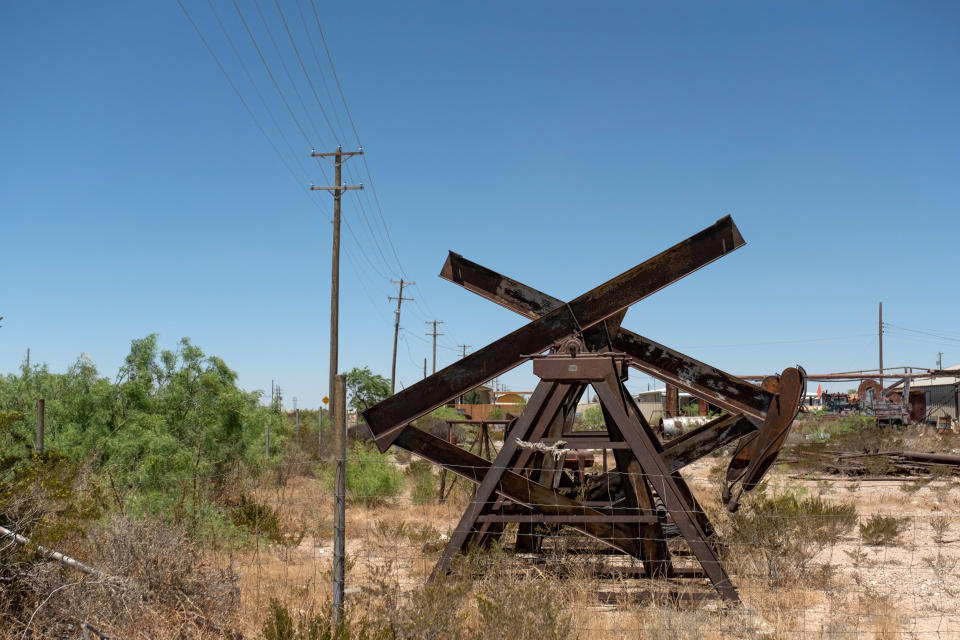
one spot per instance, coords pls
(339, 514)
(41, 408)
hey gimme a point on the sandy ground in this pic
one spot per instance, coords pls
(910, 589)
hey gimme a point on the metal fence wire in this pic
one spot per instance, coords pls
(809, 556)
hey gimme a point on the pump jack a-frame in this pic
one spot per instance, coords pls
(588, 349)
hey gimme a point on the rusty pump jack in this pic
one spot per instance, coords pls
(589, 349)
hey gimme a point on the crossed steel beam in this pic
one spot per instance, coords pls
(595, 318)
(553, 320)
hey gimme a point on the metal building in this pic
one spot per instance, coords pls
(942, 394)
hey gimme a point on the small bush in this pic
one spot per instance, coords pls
(261, 520)
(882, 530)
(527, 607)
(940, 524)
(370, 475)
(423, 483)
(280, 625)
(781, 534)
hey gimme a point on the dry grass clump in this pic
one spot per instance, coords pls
(670, 623)
(940, 525)
(153, 581)
(881, 530)
(778, 535)
(505, 602)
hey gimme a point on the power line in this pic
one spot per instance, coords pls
(239, 95)
(758, 344)
(922, 332)
(270, 73)
(424, 340)
(353, 125)
(362, 262)
(296, 51)
(286, 70)
(323, 78)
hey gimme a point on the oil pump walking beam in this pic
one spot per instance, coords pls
(389, 417)
(718, 387)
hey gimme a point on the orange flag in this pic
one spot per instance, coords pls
(819, 391)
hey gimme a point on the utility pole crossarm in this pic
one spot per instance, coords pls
(331, 154)
(314, 187)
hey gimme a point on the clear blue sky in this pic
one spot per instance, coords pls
(559, 143)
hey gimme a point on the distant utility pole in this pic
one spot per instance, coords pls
(296, 412)
(396, 331)
(424, 367)
(463, 354)
(880, 336)
(337, 189)
(434, 334)
(41, 410)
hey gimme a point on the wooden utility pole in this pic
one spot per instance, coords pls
(463, 354)
(337, 189)
(434, 334)
(396, 331)
(340, 495)
(424, 367)
(880, 336)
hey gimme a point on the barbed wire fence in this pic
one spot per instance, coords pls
(840, 557)
(818, 556)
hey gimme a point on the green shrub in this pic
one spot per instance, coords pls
(592, 418)
(260, 520)
(165, 435)
(370, 474)
(280, 625)
(423, 483)
(783, 532)
(882, 530)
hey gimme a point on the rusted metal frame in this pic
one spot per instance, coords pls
(480, 502)
(762, 449)
(540, 412)
(718, 387)
(539, 518)
(699, 513)
(657, 561)
(544, 468)
(522, 464)
(746, 448)
(514, 486)
(389, 417)
(704, 440)
(479, 438)
(665, 485)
